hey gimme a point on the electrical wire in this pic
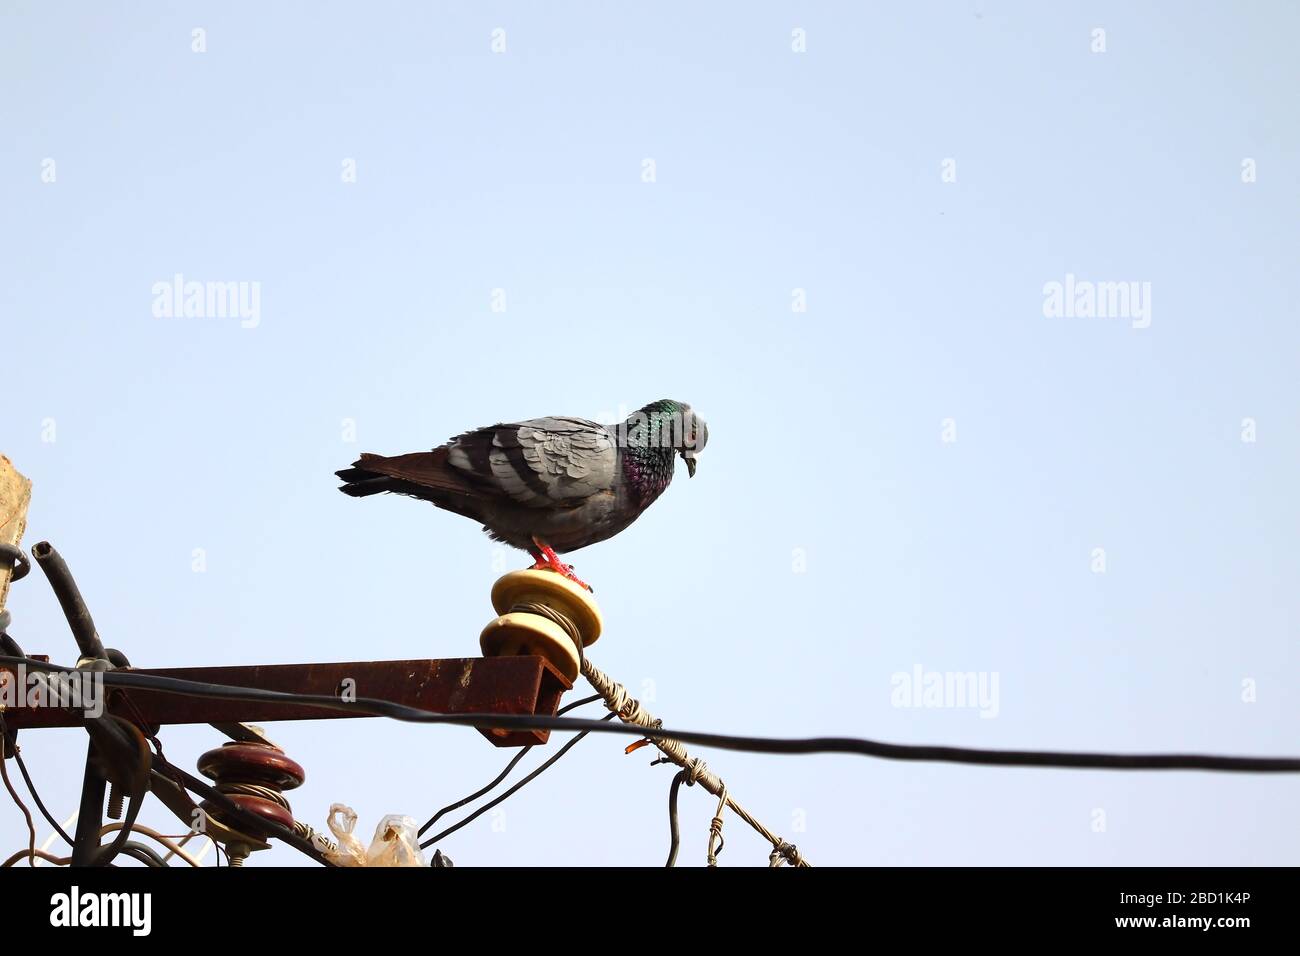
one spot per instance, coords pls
(4, 772)
(49, 840)
(674, 828)
(772, 745)
(145, 854)
(517, 787)
(805, 745)
(173, 848)
(33, 854)
(514, 762)
(40, 804)
(31, 787)
(180, 844)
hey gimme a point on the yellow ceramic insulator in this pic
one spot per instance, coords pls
(519, 630)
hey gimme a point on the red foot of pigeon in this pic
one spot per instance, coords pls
(548, 560)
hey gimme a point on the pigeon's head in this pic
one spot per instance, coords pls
(669, 425)
(695, 435)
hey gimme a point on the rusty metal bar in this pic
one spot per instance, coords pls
(493, 685)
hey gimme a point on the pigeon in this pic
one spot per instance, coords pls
(548, 485)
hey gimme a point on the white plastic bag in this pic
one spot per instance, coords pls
(350, 852)
(396, 842)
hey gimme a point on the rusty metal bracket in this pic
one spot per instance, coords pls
(493, 685)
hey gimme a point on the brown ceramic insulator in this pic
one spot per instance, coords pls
(261, 807)
(253, 776)
(252, 763)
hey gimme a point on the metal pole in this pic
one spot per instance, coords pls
(90, 819)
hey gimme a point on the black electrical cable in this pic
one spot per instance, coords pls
(31, 787)
(517, 787)
(142, 852)
(40, 804)
(514, 762)
(27, 814)
(674, 829)
(772, 745)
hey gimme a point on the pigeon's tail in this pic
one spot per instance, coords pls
(359, 483)
(424, 474)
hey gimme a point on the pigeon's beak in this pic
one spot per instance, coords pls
(689, 458)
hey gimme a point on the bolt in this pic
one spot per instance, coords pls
(238, 853)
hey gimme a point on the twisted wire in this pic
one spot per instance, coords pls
(566, 623)
(629, 709)
(716, 842)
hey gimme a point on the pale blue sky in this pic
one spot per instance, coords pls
(775, 170)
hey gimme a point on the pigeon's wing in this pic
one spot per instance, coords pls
(539, 463)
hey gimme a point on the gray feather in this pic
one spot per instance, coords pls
(542, 462)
